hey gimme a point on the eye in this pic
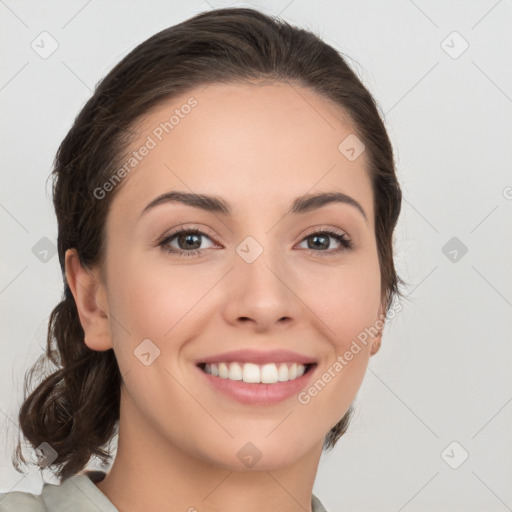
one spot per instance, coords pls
(319, 242)
(188, 242)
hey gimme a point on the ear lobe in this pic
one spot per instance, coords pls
(377, 339)
(376, 344)
(91, 302)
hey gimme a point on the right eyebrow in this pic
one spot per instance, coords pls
(209, 203)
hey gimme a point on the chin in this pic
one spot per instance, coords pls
(242, 454)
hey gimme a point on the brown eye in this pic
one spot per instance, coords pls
(321, 242)
(188, 242)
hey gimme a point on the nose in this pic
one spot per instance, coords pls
(260, 295)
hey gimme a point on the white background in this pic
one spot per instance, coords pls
(443, 373)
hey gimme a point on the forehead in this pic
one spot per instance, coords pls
(267, 141)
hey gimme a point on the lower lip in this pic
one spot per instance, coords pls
(258, 394)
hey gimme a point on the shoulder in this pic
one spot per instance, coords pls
(23, 501)
(77, 493)
(17, 501)
(316, 505)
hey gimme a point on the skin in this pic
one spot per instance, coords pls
(178, 437)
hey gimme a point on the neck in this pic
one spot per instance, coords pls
(152, 473)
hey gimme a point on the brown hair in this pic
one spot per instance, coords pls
(75, 409)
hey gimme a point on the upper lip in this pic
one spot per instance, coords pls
(258, 357)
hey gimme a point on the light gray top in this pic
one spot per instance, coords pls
(75, 494)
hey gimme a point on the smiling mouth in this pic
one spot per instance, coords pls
(269, 373)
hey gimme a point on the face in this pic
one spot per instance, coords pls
(252, 284)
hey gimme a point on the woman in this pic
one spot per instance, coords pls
(226, 202)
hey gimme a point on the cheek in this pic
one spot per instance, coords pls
(156, 301)
(345, 298)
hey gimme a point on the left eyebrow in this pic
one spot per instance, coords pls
(214, 204)
(310, 202)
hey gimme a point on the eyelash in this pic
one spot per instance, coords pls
(341, 238)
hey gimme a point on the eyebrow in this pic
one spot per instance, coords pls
(214, 204)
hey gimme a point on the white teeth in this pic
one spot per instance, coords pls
(254, 374)
(283, 373)
(251, 372)
(268, 374)
(235, 372)
(223, 371)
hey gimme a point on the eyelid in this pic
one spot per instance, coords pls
(325, 228)
(186, 227)
(206, 232)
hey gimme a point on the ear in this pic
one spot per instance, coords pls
(379, 323)
(91, 301)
